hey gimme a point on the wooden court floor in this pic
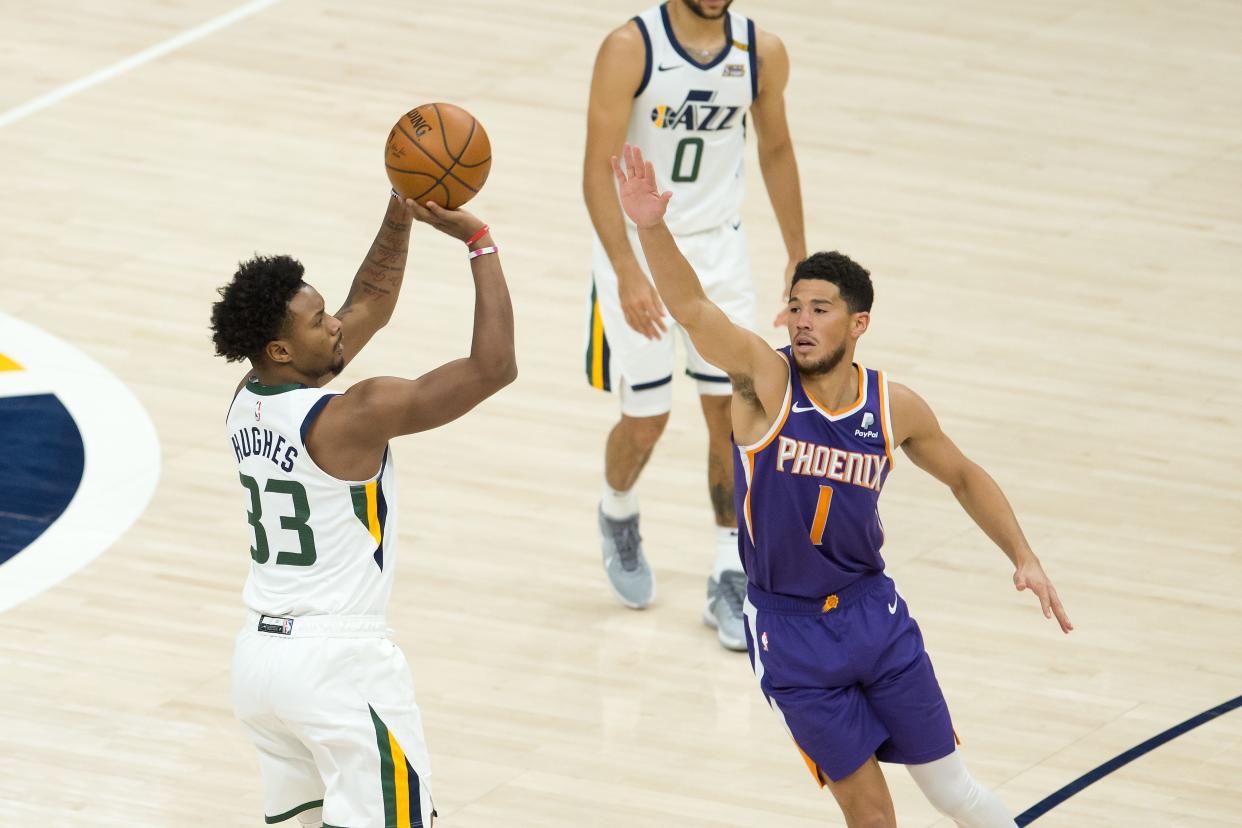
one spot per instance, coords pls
(1047, 197)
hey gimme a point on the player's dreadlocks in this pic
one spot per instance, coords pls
(253, 307)
(851, 279)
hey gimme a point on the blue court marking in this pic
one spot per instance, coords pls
(40, 467)
(1048, 803)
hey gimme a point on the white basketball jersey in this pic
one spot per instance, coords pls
(319, 545)
(689, 119)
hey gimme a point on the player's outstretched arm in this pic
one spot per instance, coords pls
(776, 153)
(355, 427)
(733, 349)
(373, 294)
(917, 430)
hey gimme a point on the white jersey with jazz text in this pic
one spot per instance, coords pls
(318, 545)
(689, 119)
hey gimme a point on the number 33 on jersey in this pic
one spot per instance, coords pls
(689, 119)
(318, 545)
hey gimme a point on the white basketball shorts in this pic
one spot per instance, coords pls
(329, 703)
(619, 358)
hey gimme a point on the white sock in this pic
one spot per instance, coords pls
(727, 556)
(618, 505)
(951, 789)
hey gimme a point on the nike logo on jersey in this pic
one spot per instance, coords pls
(797, 409)
(892, 608)
(737, 226)
(664, 68)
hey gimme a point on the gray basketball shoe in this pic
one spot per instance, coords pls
(628, 574)
(724, 608)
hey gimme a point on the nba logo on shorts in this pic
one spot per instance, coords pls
(764, 639)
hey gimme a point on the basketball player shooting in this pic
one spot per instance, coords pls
(833, 646)
(680, 80)
(326, 698)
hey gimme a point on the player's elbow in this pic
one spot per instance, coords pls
(501, 372)
(775, 150)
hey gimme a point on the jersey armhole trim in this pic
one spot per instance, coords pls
(886, 418)
(642, 29)
(753, 55)
(313, 414)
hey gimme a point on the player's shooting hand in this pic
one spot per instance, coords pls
(644, 312)
(401, 208)
(1030, 575)
(456, 223)
(640, 198)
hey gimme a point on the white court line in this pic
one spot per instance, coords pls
(147, 55)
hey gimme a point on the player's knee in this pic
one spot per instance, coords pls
(869, 816)
(644, 432)
(952, 800)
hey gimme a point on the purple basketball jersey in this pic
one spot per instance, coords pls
(807, 494)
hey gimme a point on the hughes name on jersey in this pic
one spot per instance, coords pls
(319, 545)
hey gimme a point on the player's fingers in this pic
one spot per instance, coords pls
(666, 196)
(616, 169)
(1044, 604)
(1059, 611)
(420, 212)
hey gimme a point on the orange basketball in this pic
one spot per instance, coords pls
(438, 152)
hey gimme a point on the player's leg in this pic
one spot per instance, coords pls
(367, 738)
(620, 359)
(726, 586)
(806, 674)
(864, 797)
(951, 789)
(907, 697)
(721, 260)
(292, 786)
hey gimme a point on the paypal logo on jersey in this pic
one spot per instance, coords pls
(696, 113)
(868, 420)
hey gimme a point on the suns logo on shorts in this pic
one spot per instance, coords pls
(696, 113)
(80, 460)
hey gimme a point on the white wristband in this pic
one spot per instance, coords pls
(483, 251)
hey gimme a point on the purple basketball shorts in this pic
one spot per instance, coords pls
(848, 676)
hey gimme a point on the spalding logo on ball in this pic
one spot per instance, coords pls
(438, 152)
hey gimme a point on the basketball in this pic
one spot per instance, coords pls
(438, 152)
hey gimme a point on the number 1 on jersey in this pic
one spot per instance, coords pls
(821, 515)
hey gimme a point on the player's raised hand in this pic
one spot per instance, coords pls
(640, 198)
(1030, 575)
(456, 223)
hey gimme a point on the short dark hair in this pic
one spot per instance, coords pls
(253, 307)
(851, 279)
